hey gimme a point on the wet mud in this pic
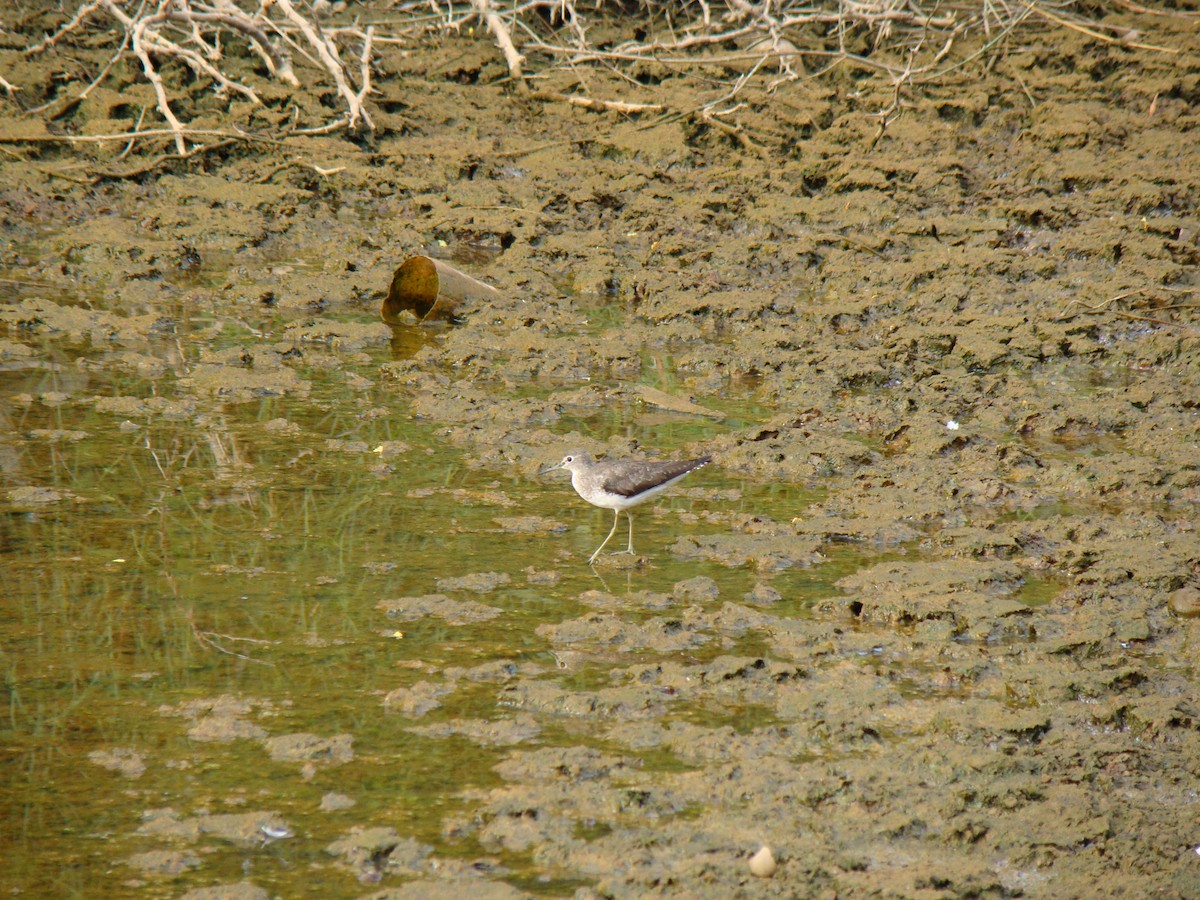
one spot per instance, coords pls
(926, 627)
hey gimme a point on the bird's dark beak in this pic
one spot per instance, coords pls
(544, 469)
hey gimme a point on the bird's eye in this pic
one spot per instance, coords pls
(569, 459)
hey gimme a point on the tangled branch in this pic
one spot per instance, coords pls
(191, 32)
(908, 42)
(735, 43)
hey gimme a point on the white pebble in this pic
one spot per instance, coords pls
(762, 863)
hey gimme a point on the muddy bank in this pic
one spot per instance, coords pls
(926, 626)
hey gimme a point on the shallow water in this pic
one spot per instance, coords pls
(183, 548)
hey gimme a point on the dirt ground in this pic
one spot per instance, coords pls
(974, 336)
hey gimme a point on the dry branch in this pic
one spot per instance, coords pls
(596, 105)
(327, 52)
(763, 43)
(500, 32)
(190, 32)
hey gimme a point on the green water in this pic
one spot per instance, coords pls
(195, 551)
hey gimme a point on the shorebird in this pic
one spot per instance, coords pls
(620, 484)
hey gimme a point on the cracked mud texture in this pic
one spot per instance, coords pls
(972, 344)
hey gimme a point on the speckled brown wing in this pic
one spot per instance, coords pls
(629, 481)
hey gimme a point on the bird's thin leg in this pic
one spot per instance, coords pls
(629, 516)
(616, 519)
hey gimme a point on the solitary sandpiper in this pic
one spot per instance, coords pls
(622, 483)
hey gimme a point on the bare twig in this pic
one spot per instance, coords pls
(500, 32)
(143, 53)
(297, 164)
(888, 115)
(207, 640)
(1092, 33)
(1104, 306)
(134, 135)
(162, 160)
(232, 17)
(710, 117)
(84, 10)
(1146, 11)
(592, 103)
(357, 116)
(189, 32)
